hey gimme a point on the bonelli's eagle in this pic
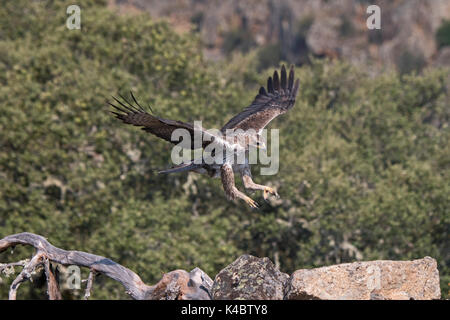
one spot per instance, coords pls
(237, 135)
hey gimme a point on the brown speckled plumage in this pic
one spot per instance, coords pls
(277, 99)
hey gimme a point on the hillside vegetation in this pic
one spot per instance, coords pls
(364, 161)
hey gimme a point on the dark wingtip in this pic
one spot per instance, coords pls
(119, 116)
(283, 77)
(270, 85)
(133, 108)
(262, 91)
(135, 101)
(127, 107)
(116, 107)
(291, 78)
(276, 81)
(123, 105)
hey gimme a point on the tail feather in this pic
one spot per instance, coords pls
(180, 168)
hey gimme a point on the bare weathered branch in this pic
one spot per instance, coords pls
(25, 274)
(52, 284)
(178, 284)
(130, 280)
(5, 266)
(90, 282)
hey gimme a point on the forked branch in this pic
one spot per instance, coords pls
(178, 284)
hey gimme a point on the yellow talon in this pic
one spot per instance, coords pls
(251, 202)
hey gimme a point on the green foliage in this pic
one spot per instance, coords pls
(197, 20)
(238, 39)
(269, 55)
(346, 28)
(409, 61)
(443, 34)
(304, 25)
(364, 170)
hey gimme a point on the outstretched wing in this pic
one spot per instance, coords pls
(162, 128)
(278, 99)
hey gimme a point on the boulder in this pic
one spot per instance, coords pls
(373, 280)
(250, 278)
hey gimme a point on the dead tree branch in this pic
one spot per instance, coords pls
(52, 283)
(6, 266)
(24, 275)
(90, 281)
(178, 284)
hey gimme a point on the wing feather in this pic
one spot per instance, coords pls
(283, 78)
(279, 98)
(291, 79)
(162, 128)
(270, 85)
(276, 81)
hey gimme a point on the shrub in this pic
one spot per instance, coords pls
(443, 34)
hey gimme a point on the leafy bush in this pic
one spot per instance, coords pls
(239, 39)
(269, 55)
(443, 34)
(409, 61)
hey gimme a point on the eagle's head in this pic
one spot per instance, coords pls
(257, 141)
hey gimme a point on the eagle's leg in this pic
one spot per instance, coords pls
(227, 176)
(250, 185)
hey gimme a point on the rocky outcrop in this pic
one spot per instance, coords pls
(406, 40)
(250, 278)
(373, 280)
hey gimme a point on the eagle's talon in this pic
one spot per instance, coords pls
(252, 203)
(269, 190)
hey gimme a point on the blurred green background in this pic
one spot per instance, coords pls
(365, 156)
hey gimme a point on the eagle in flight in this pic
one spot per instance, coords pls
(239, 134)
